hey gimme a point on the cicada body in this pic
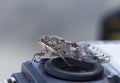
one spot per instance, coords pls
(57, 46)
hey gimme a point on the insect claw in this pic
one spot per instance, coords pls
(33, 58)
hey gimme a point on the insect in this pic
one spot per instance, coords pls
(57, 46)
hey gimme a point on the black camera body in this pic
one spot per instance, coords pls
(48, 71)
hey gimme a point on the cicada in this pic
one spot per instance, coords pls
(57, 46)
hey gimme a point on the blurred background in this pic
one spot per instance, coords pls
(24, 22)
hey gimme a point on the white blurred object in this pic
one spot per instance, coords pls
(113, 48)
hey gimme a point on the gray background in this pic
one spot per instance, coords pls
(23, 22)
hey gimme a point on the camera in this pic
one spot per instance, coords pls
(55, 70)
(68, 63)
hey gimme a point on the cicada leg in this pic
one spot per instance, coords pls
(38, 54)
(65, 61)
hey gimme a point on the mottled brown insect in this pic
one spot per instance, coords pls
(57, 46)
